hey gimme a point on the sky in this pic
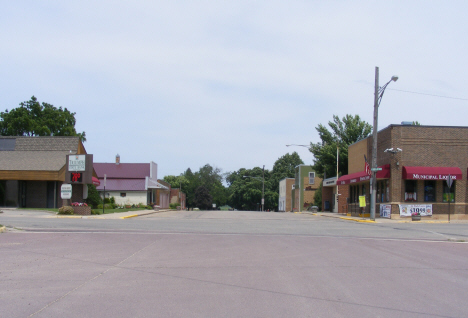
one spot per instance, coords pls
(231, 83)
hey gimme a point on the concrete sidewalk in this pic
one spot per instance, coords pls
(114, 216)
(385, 220)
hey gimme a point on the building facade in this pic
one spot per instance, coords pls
(329, 195)
(415, 163)
(33, 169)
(132, 183)
(305, 184)
(285, 194)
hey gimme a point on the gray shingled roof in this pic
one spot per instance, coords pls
(37, 153)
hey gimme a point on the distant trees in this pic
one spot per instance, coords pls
(202, 198)
(209, 177)
(35, 119)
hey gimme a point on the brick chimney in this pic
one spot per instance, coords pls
(117, 159)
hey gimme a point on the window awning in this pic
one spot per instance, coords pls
(96, 181)
(431, 173)
(363, 176)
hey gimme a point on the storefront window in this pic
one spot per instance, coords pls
(429, 191)
(449, 193)
(382, 191)
(410, 190)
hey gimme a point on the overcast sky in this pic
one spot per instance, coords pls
(230, 83)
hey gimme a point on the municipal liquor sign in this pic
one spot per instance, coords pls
(76, 162)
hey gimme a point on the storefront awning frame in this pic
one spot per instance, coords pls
(362, 176)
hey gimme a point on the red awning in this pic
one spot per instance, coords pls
(96, 181)
(431, 173)
(363, 176)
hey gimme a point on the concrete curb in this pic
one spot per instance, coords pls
(357, 220)
(129, 216)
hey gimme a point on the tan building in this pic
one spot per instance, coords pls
(305, 184)
(285, 194)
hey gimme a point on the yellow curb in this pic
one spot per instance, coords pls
(129, 216)
(2, 229)
(356, 220)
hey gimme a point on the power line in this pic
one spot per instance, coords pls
(400, 90)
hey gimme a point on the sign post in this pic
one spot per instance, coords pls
(449, 197)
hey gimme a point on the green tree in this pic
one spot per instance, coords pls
(246, 193)
(94, 199)
(318, 197)
(343, 133)
(203, 198)
(177, 182)
(35, 119)
(284, 167)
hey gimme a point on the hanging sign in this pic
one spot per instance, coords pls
(362, 201)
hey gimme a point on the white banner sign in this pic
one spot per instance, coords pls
(385, 210)
(77, 163)
(415, 209)
(66, 191)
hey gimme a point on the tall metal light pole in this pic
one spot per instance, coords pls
(378, 93)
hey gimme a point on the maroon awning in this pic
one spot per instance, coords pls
(96, 181)
(431, 173)
(363, 176)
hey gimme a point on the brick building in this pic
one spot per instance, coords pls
(416, 161)
(178, 196)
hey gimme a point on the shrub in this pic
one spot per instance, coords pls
(96, 212)
(66, 210)
(173, 206)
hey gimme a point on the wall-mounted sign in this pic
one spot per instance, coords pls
(76, 162)
(66, 191)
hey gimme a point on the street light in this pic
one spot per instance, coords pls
(263, 186)
(378, 94)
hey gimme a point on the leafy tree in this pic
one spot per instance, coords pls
(35, 119)
(94, 199)
(284, 167)
(203, 198)
(246, 193)
(177, 182)
(318, 197)
(209, 177)
(344, 132)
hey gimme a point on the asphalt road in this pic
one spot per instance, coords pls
(230, 264)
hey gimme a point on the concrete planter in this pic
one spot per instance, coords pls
(82, 210)
(416, 218)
